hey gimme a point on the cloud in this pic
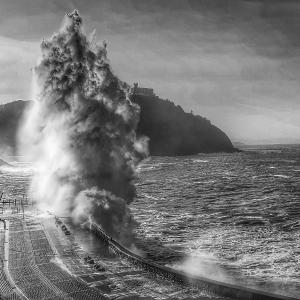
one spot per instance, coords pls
(211, 56)
(16, 60)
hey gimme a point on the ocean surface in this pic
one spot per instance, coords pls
(236, 216)
(231, 217)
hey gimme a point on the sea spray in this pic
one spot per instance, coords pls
(80, 132)
(204, 265)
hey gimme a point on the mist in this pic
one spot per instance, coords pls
(204, 265)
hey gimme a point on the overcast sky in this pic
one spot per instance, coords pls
(236, 62)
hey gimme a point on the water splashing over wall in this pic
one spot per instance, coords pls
(80, 132)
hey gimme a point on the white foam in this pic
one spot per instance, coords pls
(281, 176)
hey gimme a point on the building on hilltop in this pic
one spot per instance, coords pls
(136, 90)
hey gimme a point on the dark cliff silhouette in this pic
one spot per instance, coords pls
(10, 117)
(3, 163)
(175, 132)
(171, 130)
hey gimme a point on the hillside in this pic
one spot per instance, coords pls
(3, 163)
(10, 116)
(175, 132)
(170, 129)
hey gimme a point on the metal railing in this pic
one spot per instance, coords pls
(209, 285)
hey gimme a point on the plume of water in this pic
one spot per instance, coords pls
(80, 132)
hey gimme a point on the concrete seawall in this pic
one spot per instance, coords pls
(216, 287)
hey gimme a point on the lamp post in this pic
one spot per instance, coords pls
(22, 204)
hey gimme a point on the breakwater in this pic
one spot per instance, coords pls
(212, 286)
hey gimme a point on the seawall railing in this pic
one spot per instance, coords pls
(209, 285)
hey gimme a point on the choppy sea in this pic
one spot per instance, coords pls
(231, 217)
(237, 215)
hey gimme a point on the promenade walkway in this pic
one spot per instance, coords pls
(7, 290)
(33, 268)
(40, 262)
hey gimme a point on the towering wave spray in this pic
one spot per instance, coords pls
(80, 132)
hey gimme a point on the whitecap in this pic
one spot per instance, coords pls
(281, 176)
(151, 197)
